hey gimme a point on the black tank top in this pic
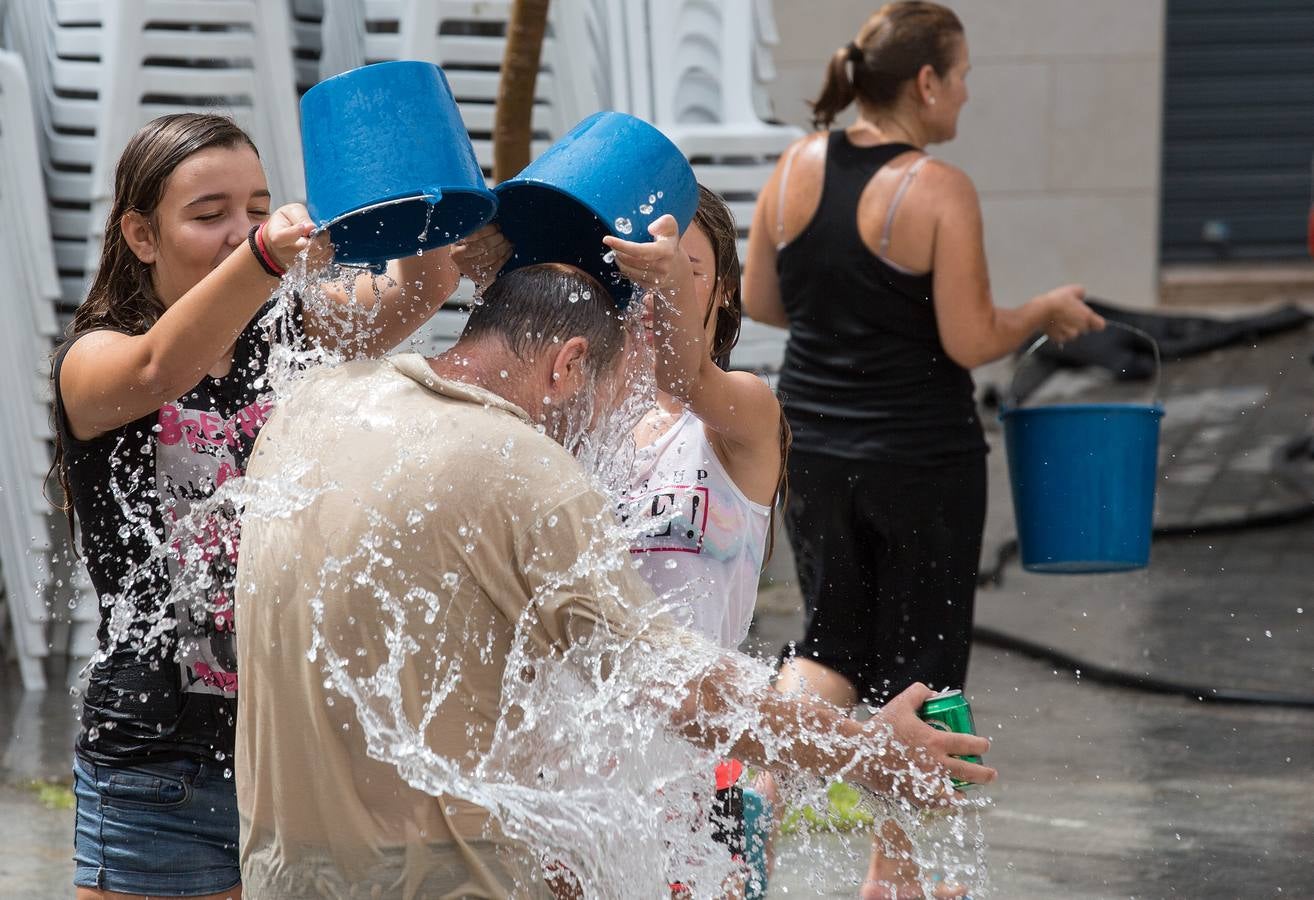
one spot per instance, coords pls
(164, 682)
(865, 375)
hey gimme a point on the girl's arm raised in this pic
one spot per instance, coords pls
(738, 406)
(109, 379)
(411, 291)
(405, 296)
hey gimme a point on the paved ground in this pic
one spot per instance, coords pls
(1105, 793)
(1110, 793)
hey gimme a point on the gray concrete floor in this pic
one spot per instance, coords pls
(1110, 793)
(1104, 793)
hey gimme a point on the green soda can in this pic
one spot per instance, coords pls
(949, 711)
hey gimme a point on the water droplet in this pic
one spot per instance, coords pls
(503, 373)
(645, 208)
(623, 225)
(671, 564)
(609, 257)
(574, 297)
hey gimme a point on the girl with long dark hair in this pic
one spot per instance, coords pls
(159, 392)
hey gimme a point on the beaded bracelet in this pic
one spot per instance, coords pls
(256, 238)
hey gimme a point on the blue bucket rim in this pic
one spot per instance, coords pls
(389, 63)
(519, 179)
(408, 196)
(538, 183)
(1155, 409)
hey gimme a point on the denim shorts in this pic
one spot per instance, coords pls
(166, 828)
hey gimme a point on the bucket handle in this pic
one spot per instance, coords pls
(1012, 398)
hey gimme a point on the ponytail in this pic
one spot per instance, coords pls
(837, 92)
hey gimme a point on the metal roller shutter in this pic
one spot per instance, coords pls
(1238, 133)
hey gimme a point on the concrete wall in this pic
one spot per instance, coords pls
(1061, 133)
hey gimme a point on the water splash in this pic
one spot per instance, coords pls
(585, 766)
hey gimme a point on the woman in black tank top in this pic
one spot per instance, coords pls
(871, 254)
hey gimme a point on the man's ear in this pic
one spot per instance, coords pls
(138, 235)
(568, 368)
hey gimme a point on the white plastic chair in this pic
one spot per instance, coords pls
(468, 39)
(706, 58)
(710, 60)
(307, 43)
(342, 37)
(61, 42)
(26, 310)
(232, 56)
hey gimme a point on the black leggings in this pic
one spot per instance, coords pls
(887, 557)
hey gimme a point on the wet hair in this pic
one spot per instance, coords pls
(890, 49)
(122, 296)
(534, 307)
(714, 219)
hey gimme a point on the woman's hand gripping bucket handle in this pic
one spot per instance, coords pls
(1012, 400)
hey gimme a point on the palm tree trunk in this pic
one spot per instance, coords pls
(513, 119)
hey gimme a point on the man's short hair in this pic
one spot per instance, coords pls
(545, 305)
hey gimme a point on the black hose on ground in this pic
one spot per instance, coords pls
(1088, 671)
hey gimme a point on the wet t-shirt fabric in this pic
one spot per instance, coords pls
(389, 502)
(702, 554)
(865, 375)
(162, 561)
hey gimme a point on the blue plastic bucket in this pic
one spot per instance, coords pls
(1083, 479)
(389, 166)
(611, 174)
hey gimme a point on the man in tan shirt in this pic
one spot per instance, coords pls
(414, 525)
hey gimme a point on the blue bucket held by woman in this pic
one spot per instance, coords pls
(1083, 478)
(390, 170)
(610, 174)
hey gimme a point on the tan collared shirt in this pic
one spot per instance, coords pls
(397, 493)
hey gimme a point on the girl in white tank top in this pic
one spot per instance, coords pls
(711, 454)
(710, 459)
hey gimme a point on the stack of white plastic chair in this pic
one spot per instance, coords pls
(60, 40)
(711, 59)
(26, 308)
(343, 37)
(328, 38)
(307, 44)
(711, 63)
(228, 56)
(468, 39)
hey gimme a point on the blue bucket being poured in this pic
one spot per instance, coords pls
(611, 174)
(389, 166)
(1083, 478)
